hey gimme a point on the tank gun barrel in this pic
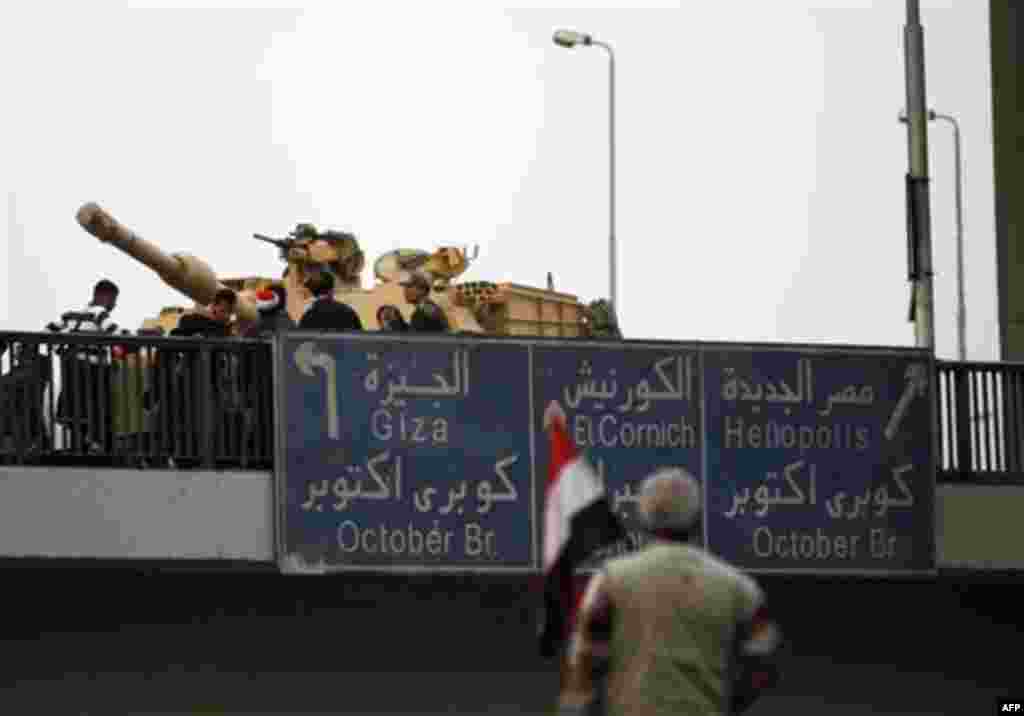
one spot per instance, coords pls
(183, 272)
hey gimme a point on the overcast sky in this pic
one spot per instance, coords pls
(760, 161)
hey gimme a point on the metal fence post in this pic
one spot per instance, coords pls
(963, 422)
(207, 427)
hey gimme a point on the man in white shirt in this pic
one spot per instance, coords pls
(84, 405)
(93, 318)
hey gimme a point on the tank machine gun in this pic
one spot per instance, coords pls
(306, 250)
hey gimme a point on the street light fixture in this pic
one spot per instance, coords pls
(570, 39)
(961, 304)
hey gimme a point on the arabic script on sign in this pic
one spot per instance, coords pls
(425, 497)
(764, 498)
(851, 507)
(443, 386)
(674, 376)
(345, 490)
(734, 388)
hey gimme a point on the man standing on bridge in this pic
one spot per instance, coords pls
(324, 312)
(669, 629)
(427, 316)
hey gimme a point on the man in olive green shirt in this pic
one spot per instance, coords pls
(669, 629)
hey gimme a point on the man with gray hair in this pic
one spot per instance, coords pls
(669, 629)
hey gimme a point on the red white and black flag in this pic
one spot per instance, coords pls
(578, 519)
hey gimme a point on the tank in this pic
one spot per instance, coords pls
(481, 307)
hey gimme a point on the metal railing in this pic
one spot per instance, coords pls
(87, 399)
(981, 422)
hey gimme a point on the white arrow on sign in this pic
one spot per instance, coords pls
(307, 357)
(917, 384)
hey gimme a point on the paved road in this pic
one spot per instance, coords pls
(100, 642)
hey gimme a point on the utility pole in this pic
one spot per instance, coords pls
(918, 195)
(572, 38)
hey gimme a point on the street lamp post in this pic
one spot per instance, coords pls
(569, 39)
(961, 303)
(958, 169)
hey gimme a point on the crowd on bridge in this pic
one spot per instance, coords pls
(139, 404)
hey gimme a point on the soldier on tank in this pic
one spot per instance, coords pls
(428, 316)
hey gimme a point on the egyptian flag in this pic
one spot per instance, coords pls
(577, 520)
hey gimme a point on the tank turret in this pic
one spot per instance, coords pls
(305, 250)
(473, 307)
(182, 272)
(442, 266)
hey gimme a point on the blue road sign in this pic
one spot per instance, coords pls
(409, 452)
(404, 454)
(820, 459)
(631, 408)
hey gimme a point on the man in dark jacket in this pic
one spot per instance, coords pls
(194, 383)
(213, 323)
(428, 316)
(325, 313)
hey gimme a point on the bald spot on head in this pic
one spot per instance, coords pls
(669, 500)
